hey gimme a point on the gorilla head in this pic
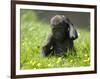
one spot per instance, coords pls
(62, 26)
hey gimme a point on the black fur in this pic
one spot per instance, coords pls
(62, 36)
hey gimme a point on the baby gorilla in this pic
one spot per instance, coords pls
(61, 38)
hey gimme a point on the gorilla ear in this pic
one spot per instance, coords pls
(72, 31)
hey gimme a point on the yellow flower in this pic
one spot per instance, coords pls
(85, 55)
(59, 60)
(38, 64)
(49, 65)
(71, 61)
(31, 62)
(86, 60)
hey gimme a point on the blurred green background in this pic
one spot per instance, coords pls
(35, 27)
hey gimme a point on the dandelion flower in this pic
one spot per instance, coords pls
(31, 62)
(86, 60)
(49, 65)
(85, 55)
(59, 60)
(38, 64)
(71, 61)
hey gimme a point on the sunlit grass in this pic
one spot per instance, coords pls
(33, 35)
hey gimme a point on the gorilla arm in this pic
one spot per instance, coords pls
(47, 48)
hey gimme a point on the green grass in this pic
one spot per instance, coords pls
(33, 35)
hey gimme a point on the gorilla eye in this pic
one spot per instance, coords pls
(59, 29)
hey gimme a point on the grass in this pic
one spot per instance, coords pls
(33, 35)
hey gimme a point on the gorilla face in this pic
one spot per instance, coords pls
(59, 33)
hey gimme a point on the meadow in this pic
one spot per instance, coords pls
(34, 33)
